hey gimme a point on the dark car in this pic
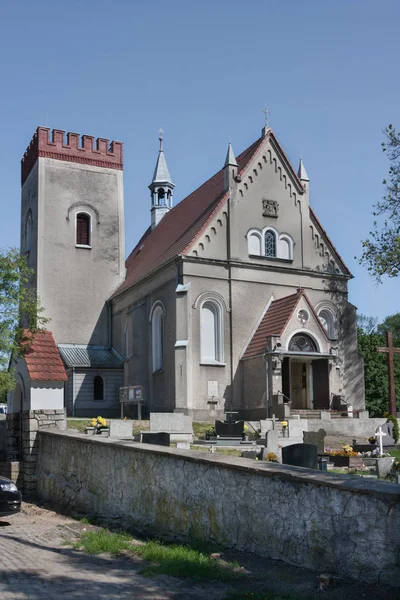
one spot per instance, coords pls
(10, 497)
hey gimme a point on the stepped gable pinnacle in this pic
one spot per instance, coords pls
(302, 173)
(230, 157)
(161, 172)
(73, 149)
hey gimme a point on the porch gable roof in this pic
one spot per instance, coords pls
(275, 321)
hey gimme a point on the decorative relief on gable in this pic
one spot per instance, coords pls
(270, 208)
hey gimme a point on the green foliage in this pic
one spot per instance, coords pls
(396, 431)
(19, 310)
(375, 372)
(176, 559)
(381, 251)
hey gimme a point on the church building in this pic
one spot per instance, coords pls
(234, 300)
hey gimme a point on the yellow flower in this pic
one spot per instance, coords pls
(284, 423)
(93, 422)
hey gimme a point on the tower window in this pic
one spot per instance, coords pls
(83, 229)
(98, 388)
(161, 197)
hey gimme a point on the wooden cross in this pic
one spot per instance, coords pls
(390, 351)
(380, 435)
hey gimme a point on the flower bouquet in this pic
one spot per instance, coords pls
(99, 424)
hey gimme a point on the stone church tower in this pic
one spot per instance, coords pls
(72, 230)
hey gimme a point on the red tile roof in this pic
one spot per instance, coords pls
(180, 226)
(275, 321)
(42, 358)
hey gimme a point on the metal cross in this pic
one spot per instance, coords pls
(161, 137)
(390, 351)
(266, 112)
(380, 435)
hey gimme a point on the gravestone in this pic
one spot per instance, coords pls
(229, 429)
(316, 438)
(178, 425)
(387, 428)
(300, 455)
(250, 454)
(120, 429)
(160, 439)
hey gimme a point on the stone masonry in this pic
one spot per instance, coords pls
(23, 442)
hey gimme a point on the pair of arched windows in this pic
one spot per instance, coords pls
(83, 229)
(269, 243)
(211, 332)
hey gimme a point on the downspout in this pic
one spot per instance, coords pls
(228, 241)
(73, 391)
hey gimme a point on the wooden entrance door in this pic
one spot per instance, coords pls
(321, 384)
(299, 384)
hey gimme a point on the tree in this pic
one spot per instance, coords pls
(19, 310)
(381, 251)
(370, 336)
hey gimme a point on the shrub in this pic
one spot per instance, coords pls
(396, 431)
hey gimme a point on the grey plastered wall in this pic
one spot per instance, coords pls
(134, 307)
(341, 525)
(73, 283)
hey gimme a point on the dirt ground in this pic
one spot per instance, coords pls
(36, 564)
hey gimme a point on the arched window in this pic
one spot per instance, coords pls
(211, 332)
(83, 229)
(302, 342)
(98, 388)
(284, 248)
(328, 322)
(161, 197)
(28, 232)
(254, 244)
(157, 338)
(270, 243)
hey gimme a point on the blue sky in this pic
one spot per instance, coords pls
(203, 72)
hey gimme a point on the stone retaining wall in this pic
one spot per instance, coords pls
(342, 525)
(22, 441)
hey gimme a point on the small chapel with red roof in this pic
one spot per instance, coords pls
(234, 300)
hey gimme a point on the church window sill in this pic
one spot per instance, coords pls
(212, 363)
(273, 258)
(83, 246)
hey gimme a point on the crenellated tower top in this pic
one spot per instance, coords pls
(71, 148)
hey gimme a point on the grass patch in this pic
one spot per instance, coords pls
(79, 424)
(199, 429)
(395, 453)
(176, 560)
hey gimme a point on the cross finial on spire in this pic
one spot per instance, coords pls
(266, 113)
(161, 137)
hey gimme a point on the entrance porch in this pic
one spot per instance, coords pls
(305, 382)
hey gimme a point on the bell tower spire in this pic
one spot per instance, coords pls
(161, 187)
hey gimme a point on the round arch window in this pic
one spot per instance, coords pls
(302, 343)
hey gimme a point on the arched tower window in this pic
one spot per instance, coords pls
(98, 388)
(211, 339)
(301, 342)
(28, 232)
(83, 227)
(328, 321)
(157, 338)
(270, 243)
